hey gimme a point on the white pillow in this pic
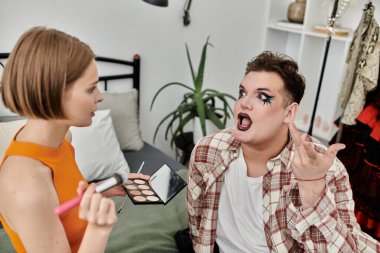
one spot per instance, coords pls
(97, 150)
(7, 131)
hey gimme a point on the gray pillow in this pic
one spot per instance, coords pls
(124, 114)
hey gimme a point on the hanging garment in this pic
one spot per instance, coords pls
(361, 157)
(362, 69)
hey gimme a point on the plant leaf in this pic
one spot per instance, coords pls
(199, 79)
(225, 112)
(219, 94)
(181, 126)
(201, 112)
(222, 97)
(161, 122)
(167, 85)
(214, 118)
(181, 110)
(190, 64)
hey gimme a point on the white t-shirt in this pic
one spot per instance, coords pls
(240, 225)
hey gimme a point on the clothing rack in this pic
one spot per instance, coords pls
(326, 52)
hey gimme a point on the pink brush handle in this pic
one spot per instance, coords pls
(68, 205)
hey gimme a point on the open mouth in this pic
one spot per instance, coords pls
(244, 122)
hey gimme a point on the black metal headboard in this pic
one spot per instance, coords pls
(135, 75)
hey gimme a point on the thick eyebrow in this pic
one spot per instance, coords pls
(264, 89)
(258, 89)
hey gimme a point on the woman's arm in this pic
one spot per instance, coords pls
(101, 216)
(27, 202)
(28, 199)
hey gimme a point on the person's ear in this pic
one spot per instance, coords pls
(290, 113)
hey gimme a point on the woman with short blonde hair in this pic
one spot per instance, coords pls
(51, 79)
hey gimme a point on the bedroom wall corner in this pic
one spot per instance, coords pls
(122, 28)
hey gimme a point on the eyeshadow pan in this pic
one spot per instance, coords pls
(152, 198)
(134, 192)
(139, 181)
(141, 192)
(131, 187)
(147, 192)
(139, 198)
(162, 186)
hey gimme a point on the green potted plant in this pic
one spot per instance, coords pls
(196, 102)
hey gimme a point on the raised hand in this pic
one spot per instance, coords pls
(310, 167)
(308, 164)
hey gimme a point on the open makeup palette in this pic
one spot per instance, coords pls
(162, 186)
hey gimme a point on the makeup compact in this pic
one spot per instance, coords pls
(162, 186)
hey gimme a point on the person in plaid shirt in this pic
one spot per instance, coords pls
(262, 186)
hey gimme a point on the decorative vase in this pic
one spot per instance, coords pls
(296, 11)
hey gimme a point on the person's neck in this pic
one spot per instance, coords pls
(47, 133)
(256, 156)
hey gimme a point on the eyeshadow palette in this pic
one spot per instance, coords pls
(162, 186)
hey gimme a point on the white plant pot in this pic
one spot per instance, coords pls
(197, 129)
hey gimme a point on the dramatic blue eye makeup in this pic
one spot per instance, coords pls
(265, 98)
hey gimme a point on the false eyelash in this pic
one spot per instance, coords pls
(267, 100)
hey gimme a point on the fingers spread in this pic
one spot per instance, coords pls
(301, 146)
(296, 135)
(333, 150)
(310, 151)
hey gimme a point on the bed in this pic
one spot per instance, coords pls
(140, 228)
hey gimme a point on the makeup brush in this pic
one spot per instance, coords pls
(117, 179)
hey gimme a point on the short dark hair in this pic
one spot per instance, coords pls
(286, 68)
(42, 65)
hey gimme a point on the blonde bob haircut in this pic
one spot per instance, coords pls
(42, 65)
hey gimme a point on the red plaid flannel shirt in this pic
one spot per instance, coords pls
(330, 226)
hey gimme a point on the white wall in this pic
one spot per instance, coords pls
(122, 28)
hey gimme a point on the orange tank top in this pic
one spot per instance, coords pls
(66, 176)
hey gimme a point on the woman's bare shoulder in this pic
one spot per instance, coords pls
(27, 201)
(23, 180)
